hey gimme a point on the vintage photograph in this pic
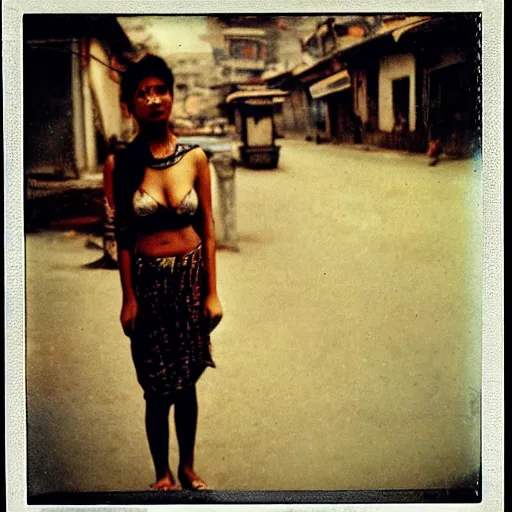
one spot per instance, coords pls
(253, 256)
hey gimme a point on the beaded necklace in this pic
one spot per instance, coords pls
(159, 164)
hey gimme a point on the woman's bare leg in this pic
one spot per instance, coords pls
(185, 417)
(157, 430)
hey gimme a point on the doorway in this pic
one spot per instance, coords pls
(401, 94)
(342, 117)
(450, 106)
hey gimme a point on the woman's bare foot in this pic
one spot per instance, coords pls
(190, 480)
(167, 483)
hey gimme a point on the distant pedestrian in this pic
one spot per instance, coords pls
(437, 136)
(434, 151)
(166, 254)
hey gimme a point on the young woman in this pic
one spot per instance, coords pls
(166, 256)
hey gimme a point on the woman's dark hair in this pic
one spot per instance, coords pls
(130, 161)
(148, 66)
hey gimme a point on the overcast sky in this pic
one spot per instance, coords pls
(172, 34)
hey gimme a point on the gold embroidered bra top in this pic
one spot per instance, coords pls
(152, 216)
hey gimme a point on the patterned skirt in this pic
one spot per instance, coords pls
(171, 342)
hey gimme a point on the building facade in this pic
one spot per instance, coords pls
(248, 48)
(391, 81)
(71, 92)
(196, 76)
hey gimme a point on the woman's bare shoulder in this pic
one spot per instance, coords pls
(199, 153)
(200, 160)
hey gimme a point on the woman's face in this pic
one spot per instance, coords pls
(152, 101)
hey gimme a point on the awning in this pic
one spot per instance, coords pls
(335, 83)
(250, 96)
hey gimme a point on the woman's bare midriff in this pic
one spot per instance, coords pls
(168, 243)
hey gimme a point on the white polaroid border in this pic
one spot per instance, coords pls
(492, 161)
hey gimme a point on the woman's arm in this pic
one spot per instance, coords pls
(206, 228)
(129, 307)
(125, 271)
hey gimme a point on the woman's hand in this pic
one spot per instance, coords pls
(212, 311)
(129, 312)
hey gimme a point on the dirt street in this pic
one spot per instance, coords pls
(349, 356)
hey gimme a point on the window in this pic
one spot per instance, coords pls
(244, 50)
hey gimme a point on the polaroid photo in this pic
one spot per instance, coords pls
(254, 255)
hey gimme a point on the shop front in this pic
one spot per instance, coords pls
(336, 93)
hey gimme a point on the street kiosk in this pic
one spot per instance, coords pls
(254, 114)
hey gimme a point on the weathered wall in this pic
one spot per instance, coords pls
(393, 67)
(105, 92)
